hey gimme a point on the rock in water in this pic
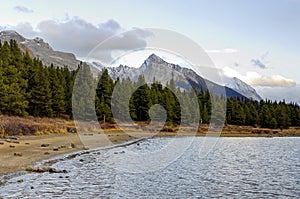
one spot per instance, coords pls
(42, 169)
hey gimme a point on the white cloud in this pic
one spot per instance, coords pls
(255, 79)
(226, 50)
(229, 72)
(280, 93)
(23, 9)
(230, 50)
(25, 29)
(273, 81)
(213, 51)
(79, 36)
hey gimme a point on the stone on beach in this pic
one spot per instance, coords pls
(18, 154)
(55, 148)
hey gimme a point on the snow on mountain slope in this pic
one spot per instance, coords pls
(153, 67)
(38, 48)
(243, 88)
(163, 72)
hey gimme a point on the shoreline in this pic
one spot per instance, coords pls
(16, 155)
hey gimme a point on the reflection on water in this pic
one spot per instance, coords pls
(236, 167)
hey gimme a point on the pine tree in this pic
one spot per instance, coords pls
(104, 93)
(265, 116)
(40, 92)
(273, 123)
(13, 96)
(282, 117)
(120, 100)
(252, 114)
(141, 100)
(69, 77)
(83, 99)
(204, 115)
(57, 86)
(229, 111)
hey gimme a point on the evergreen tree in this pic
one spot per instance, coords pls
(69, 77)
(83, 100)
(121, 100)
(104, 93)
(204, 115)
(40, 92)
(265, 116)
(252, 114)
(57, 86)
(273, 123)
(141, 100)
(13, 96)
(282, 117)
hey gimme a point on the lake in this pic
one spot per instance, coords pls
(233, 168)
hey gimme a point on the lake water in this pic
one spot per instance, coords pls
(234, 168)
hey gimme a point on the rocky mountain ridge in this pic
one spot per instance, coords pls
(38, 48)
(153, 68)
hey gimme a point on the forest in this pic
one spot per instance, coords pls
(28, 88)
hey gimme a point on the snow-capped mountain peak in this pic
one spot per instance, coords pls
(162, 71)
(243, 88)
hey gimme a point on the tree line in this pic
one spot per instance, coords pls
(30, 88)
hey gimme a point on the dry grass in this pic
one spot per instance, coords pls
(14, 126)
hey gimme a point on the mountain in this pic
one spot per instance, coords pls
(153, 67)
(162, 71)
(38, 48)
(243, 88)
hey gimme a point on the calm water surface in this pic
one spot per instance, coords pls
(235, 168)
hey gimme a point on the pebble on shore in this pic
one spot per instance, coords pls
(18, 154)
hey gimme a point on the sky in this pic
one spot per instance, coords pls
(257, 41)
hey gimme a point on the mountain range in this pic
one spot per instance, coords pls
(38, 48)
(153, 68)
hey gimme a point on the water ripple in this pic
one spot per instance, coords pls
(236, 168)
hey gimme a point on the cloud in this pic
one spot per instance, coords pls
(23, 9)
(255, 79)
(280, 93)
(25, 29)
(226, 50)
(261, 63)
(236, 64)
(229, 72)
(230, 50)
(257, 62)
(273, 81)
(79, 36)
(265, 55)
